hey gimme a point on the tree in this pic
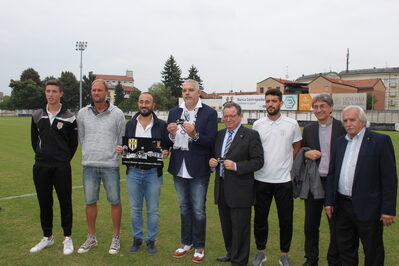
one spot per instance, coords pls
(86, 88)
(6, 103)
(119, 94)
(162, 96)
(71, 90)
(32, 74)
(193, 74)
(26, 94)
(371, 101)
(130, 104)
(171, 76)
(47, 79)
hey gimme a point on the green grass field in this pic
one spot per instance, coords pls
(20, 225)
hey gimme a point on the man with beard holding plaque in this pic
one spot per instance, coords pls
(144, 181)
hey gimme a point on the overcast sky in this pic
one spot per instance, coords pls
(234, 44)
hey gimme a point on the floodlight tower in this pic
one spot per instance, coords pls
(80, 46)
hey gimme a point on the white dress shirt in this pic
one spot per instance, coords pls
(349, 163)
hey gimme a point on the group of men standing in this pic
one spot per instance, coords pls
(354, 174)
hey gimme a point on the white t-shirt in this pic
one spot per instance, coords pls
(277, 138)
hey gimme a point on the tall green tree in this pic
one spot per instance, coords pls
(193, 74)
(6, 103)
(26, 94)
(171, 76)
(71, 90)
(130, 104)
(162, 96)
(119, 94)
(32, 74)
(86, 88)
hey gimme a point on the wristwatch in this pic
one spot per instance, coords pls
(196, 136)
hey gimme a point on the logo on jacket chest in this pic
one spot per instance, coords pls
(60, 125)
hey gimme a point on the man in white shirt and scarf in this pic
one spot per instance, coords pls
(192, 130)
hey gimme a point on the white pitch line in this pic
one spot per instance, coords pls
(34, 194)
(29, 195)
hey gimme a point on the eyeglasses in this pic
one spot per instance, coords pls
(144, 102)
(229, 116)
(321, 106)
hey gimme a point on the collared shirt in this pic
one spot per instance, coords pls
(142, 132)
(226, 136)
(183, 172)
(51, 116)
(93, 108)
(277, 138)
(349, 162)
(325, 131)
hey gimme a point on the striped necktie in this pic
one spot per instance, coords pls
(226, 149)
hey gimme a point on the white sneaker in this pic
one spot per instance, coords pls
(115, 245)
(68, 245)
(45, 242)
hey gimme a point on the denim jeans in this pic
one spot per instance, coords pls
(192, 198)
(92, 177)
(144, 184)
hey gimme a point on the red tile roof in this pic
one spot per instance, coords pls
(284, 80)
(361, 84)
(125, 88)
(113, 77)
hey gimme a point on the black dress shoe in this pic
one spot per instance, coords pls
(310, 263)
(223, 259)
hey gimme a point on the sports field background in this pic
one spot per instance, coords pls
(20, 226)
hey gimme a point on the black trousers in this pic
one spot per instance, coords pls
(349, 230)
(45, 178)
(236, 229)
(283, 195)
(313, 211)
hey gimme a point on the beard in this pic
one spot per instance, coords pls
(145, 112)
(273, 111)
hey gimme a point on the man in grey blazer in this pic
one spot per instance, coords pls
(238, 154)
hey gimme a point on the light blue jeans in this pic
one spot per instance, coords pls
(144, 184)
(192, 198)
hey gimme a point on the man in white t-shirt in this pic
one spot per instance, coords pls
(281, 140)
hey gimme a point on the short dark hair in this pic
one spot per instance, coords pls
(323, 98)
(275, 92)
(53, 82)
(145, 92)
(233, 104)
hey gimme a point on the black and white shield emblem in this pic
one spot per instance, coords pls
(132, 143)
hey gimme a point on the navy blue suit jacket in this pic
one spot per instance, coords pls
(375, 183)
(198, 155)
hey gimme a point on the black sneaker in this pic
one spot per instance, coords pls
(151, 247)
(136, 245)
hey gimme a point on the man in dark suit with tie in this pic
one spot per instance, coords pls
(192, 130)
(361, 189)
(319, 137)
(238, 154)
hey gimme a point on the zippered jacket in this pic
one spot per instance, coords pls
(54, 144)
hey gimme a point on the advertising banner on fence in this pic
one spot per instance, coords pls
(247, 102)
(290, 102)
(341, 100)
(305, 102)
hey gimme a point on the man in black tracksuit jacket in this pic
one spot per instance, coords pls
(54, 140)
